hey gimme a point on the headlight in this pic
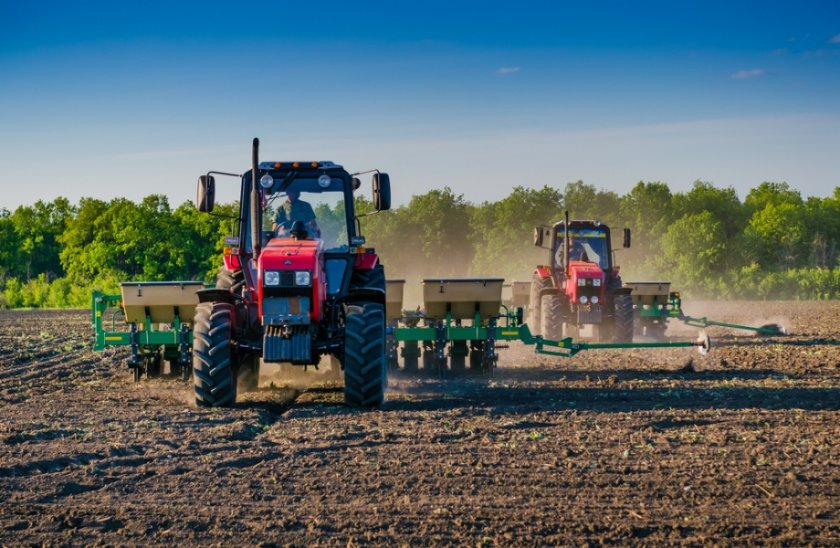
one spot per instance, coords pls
(266, 181)
(583, 299)
(594, 299)
(581, 282)
(303, 277)
(596, 282)
(271, 277)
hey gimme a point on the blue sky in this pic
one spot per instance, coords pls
(131, 98)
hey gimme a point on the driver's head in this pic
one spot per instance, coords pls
(298, 230)
(292, 195)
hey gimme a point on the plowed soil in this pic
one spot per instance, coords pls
(653, 446)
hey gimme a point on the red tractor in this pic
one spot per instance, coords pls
(580, 285)
(297, 283)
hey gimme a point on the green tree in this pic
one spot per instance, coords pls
(693, 251)
(502, 232)
(770, 193)
(79, 261)
(9, 246)
(584, 201)
(201, 237)
(37, 229)
(722, 203)
(649, 211)
(775, 235)
(822, 220)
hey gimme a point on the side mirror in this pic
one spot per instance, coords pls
(626, 237)
(381, 192)
(541, 233)
(206, 193)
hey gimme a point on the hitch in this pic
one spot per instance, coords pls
(567, 347)
(769, 329)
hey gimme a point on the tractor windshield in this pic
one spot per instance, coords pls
(320, 209)
(586, 244)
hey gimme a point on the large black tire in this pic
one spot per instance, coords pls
(373, 278)
(538, 284)
(213, 375)
(364, 356)
(552, 308)
(229, 279)
(623, 319)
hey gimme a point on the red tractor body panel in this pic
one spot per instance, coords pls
(232, 262)
(544, 272)
(585, 278)
(288, 254)
(366, 261)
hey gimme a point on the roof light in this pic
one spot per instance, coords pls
(266, 181)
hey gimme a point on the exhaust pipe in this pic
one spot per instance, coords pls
(566, 244)
(256, 212)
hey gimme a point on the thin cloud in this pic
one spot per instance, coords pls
(745, 74)
(835, 39)
(504, 71)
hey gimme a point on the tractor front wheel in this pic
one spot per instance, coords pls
(623, 320)
(213, 375)
(364, 355)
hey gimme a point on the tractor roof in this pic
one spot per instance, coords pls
(300, 165)
(583, 222)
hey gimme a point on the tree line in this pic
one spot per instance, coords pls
(707, 241)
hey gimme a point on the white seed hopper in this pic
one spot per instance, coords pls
(462, 297)
(394, 299)
(646, 293)
(159, 300)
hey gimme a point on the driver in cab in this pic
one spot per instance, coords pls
(294, 209)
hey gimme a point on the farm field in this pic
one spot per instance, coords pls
(659, 446)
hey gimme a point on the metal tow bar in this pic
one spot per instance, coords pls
(568, 347)
(770, 329)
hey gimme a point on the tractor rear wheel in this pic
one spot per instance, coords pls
(364, 355)
(373, 278)
(552, 316)
(213, 375)
(623, 319)
(229, 279)
(538, 283)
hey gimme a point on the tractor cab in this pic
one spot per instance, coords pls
(589, 242)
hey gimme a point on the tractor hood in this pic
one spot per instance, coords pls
(291, 284)
(585, 279)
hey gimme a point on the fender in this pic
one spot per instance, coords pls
(543, 271)
(367, 260)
